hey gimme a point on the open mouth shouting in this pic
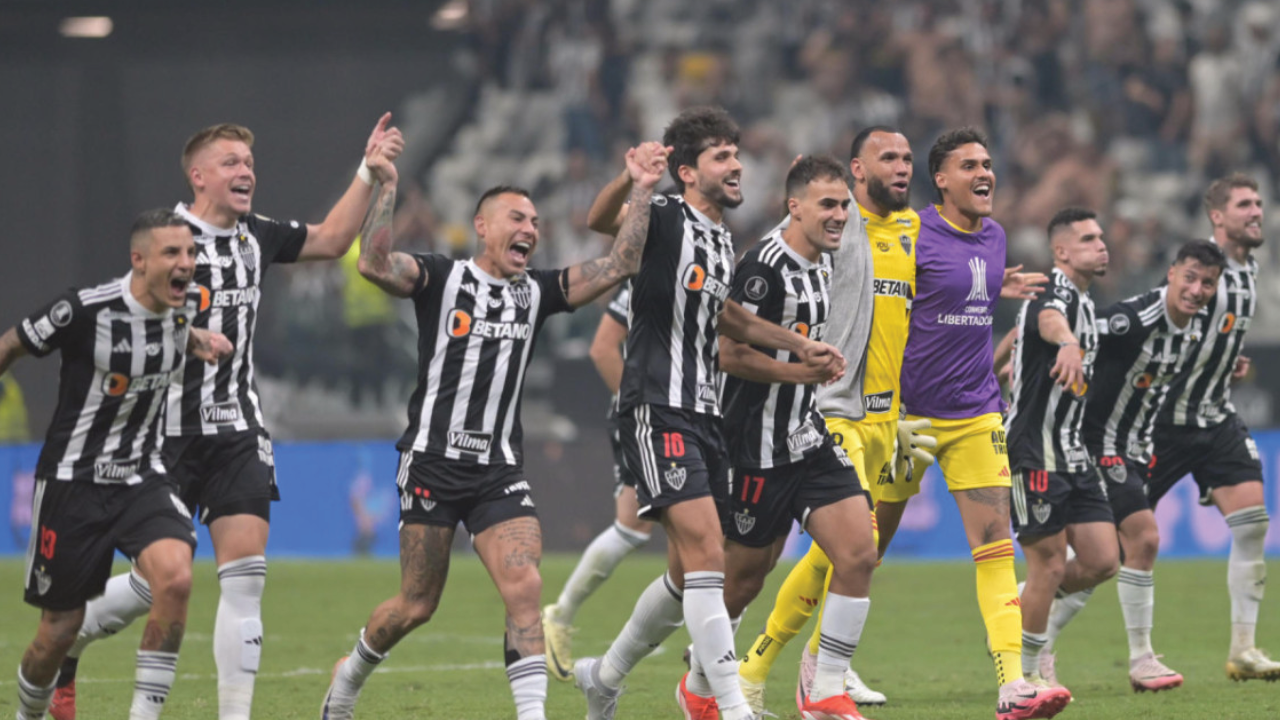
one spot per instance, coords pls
(519, 253)
(178, 284)
(242, 193)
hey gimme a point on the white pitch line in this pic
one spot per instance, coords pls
(307, 672)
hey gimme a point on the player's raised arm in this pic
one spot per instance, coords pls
(646, 165)
(11, 349)
(396, 273)
(332, 238)
(609, 208)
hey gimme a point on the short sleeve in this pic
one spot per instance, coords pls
(431, 266)
(552, 284)
(666, 221)
(51, 327)
(758, 289)
(1119, 325)
(280, 242)
(620, 304)
(1056, 298)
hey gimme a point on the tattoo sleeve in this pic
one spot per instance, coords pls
(395, 272)
(10, 349)
(590, 279)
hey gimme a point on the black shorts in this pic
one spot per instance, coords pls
(220, 475)
(761, 503)
(1045, 502)
(622, 475)
(1220, 456)
(678, 455)
(76, 527)
(1126, 485)
(435, 490)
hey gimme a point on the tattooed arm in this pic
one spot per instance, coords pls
(395, 272)
(646, 165)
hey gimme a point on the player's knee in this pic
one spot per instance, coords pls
(743, 587)
(172, 583)
(417, 611)
(521, 589)
(854, 562)
(1099, 568)
(61, 628)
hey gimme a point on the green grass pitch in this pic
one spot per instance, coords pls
(923, 647)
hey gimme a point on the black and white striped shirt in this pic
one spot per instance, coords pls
(676, 298)
(770, 425)
(476, 334)
(1045, 419)
(1200, 396)
(223, 398)
(118, 361)
(1140, 351)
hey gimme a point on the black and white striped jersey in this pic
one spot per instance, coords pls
(1140, 351)
(1045, 420)
(119, 360)
(676, 298)
(1200, 395)
(771, 425)
(223, 398)
(618, 307)
(476, 334)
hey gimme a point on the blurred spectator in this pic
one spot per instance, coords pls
(13, 412)
(1217, 122)
(370, 318)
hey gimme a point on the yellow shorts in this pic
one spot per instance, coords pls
(870, 446)
(971, 452)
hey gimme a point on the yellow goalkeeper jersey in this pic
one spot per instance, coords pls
(893, 253)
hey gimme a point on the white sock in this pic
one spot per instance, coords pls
(33, 700)
(152, 681)
(1246, 574)
(712, 634)
(1063, 610)
(657, 614)
(237, 634)
(1137, 592)
(597, 564)
(126, 598)
(843, 618)
(1032, 644)
(697, 683)
(528, 679)
(353, 673)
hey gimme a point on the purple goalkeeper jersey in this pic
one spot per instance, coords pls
(947, 371)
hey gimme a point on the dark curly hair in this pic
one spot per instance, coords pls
(693, 131)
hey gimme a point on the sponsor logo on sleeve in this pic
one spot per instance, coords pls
(60, 315)
(757, 287)
(1118, 324)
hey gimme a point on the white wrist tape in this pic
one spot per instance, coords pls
(363, 173)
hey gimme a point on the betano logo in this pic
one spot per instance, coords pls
(461, 324)
(117, 384)
(694, 277)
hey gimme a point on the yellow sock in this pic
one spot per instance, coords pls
(1001, 609)
(796, 601)
(817, 628)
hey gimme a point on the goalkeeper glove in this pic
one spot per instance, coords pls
(913, 448)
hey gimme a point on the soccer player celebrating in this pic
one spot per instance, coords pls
(785, 463)
(948, 379)
(1144, 342)
(1199, 432)
(670, 412)
(100, 480)
(886, 235)
(1057, 491)
(461, 456)
(218, 449)
(628, 531)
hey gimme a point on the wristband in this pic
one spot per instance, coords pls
(363, 173)
(1068, 343)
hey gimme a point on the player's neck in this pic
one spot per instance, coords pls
(485, 263)
(1080, 279)
(1238, 252)
(703, 204)
(960, 220)
(138, 288)
(865, 202)
(793, 236)
(219, 217)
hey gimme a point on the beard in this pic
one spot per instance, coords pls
(1243, 238)
(716, 193)
(885, 197)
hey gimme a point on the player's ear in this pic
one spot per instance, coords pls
(793, 208)
(1215, 217)
(478, 223)
(688, 174)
